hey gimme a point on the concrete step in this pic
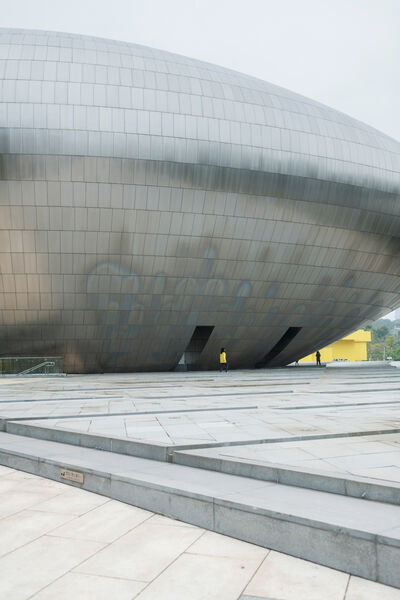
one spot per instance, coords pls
(334, 483)
(358, 536)
(140, 448)
(205, 456)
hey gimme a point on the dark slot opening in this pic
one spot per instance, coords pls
(195, 347)
(279, 346)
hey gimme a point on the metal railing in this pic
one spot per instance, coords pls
(35, 365)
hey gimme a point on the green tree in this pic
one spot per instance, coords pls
(379, 334)
(389, 342)
(396, 352)
(376, 351)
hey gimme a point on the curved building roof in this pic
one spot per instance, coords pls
(127, 100)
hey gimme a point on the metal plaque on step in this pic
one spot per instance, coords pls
(71, 475)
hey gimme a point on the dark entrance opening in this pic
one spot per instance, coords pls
(279, 346)
(195, 347)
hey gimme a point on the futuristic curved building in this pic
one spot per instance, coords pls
(154, 208)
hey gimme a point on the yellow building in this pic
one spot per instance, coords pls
(353, 347)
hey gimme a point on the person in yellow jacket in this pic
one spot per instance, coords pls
(223, 365)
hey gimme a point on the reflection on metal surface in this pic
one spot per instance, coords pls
(144, 194)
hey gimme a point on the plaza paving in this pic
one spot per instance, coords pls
(207, 408)
(62, 543)
(303, 460)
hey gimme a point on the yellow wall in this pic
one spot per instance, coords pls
(353, 347)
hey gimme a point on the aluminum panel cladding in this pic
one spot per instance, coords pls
(145, 194)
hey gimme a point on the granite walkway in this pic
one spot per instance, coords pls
(59, 543)
(302, 460)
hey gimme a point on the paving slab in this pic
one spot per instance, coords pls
(89, 587)
(351, 534)
(207, 408)
(143, 553)
(209, 450)
(213, 566)
(361, 589)
(225, 579)
(289, 578)
(29, 568)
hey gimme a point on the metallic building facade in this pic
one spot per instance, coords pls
(152, 205)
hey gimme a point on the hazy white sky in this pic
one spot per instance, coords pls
(345, 53)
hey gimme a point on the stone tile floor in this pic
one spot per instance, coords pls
(62, 543)
(375, 457)
(242, 407)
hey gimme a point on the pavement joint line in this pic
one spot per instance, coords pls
(149, 398)
(110, 389)
(394, 389)
(153, 386)
(64, 399)
(251, 597)
(361, 382)
(171, 383)
(297, 438)
(310, 406)
(124, 414)
(217, 395)
(267, 384)
(377, 375)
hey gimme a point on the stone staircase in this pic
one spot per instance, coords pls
(350, 524)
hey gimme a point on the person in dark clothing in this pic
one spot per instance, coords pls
(318, 357)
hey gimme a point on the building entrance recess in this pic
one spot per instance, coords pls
(281, 344)
(195, 347)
